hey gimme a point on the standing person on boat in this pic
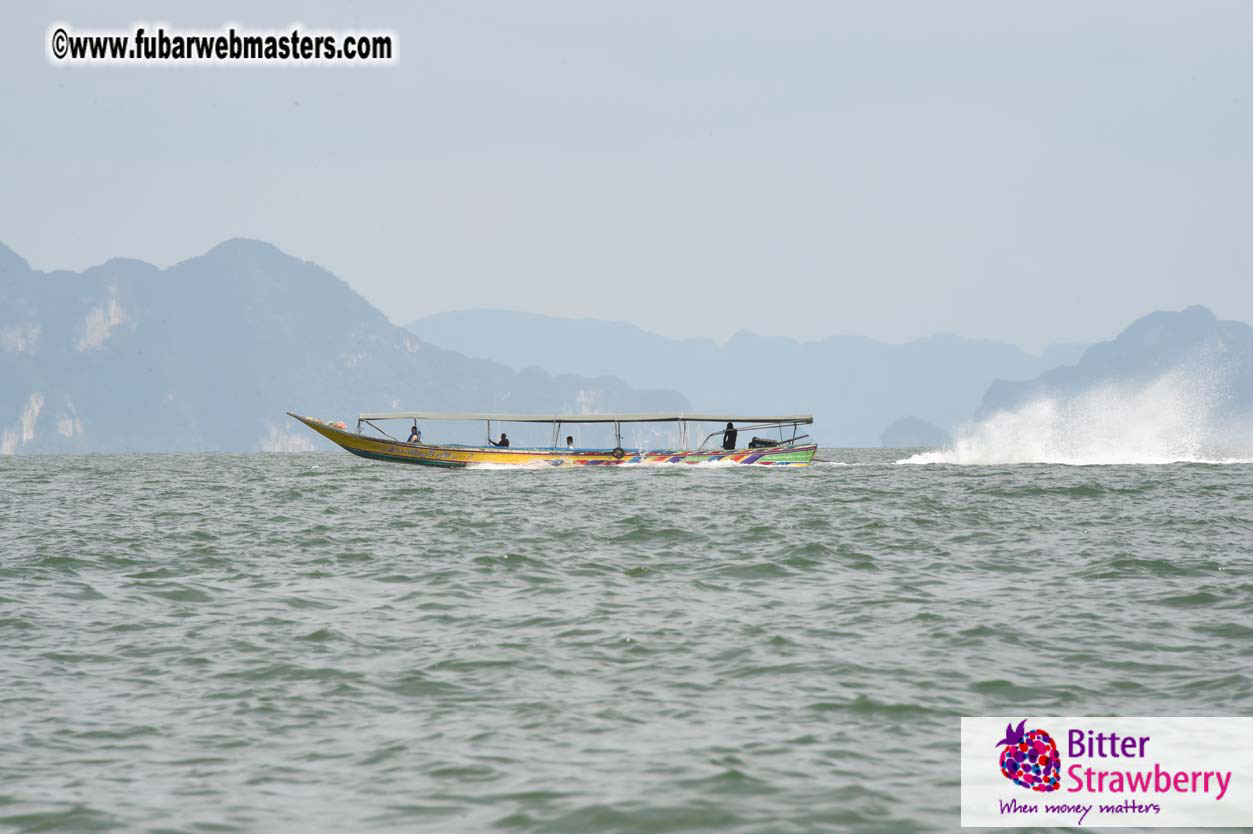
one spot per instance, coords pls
(729, 436)
(415, 436)
(504, 441)
(569, 441)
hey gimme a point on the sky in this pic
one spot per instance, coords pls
(1031, 173)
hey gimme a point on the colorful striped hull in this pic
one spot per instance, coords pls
(461, 456)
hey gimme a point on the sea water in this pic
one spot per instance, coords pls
(313, 642)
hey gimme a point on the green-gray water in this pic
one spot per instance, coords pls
(318, 643)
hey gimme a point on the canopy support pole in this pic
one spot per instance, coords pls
(377, 429)
(617, 434)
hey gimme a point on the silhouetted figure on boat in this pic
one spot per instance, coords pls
(569, 441)
(415, 436)
(729, 436)
(504, 441)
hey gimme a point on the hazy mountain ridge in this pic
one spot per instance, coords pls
(854, 385)
(1192, 341)
(209, 354)
(1174, 386)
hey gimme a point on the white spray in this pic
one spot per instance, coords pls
(1171, 419)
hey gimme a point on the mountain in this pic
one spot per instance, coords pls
(209, 354)
(1213, 358)
(854, 385)
(1173, 386)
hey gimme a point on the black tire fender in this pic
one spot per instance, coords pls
(618, 453)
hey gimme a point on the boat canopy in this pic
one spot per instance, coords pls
(666, 417)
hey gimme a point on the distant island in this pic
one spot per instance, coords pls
(913, 432)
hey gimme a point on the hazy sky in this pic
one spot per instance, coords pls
(1027, 172)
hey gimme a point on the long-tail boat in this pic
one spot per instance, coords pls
(783, 450)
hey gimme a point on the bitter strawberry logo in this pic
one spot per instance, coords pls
(1030, 758)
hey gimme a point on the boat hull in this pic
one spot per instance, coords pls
(421, 454)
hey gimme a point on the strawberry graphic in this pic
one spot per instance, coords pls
(1030, 758)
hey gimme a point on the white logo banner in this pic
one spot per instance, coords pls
(1107, 772)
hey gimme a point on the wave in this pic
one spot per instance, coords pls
(1176, 418)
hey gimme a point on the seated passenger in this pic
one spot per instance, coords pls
(415, 436)
(504, 441)
(729, 436)
(569, 441)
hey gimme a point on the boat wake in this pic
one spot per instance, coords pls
(1174, 419)
(512, 467)
(663, 464)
